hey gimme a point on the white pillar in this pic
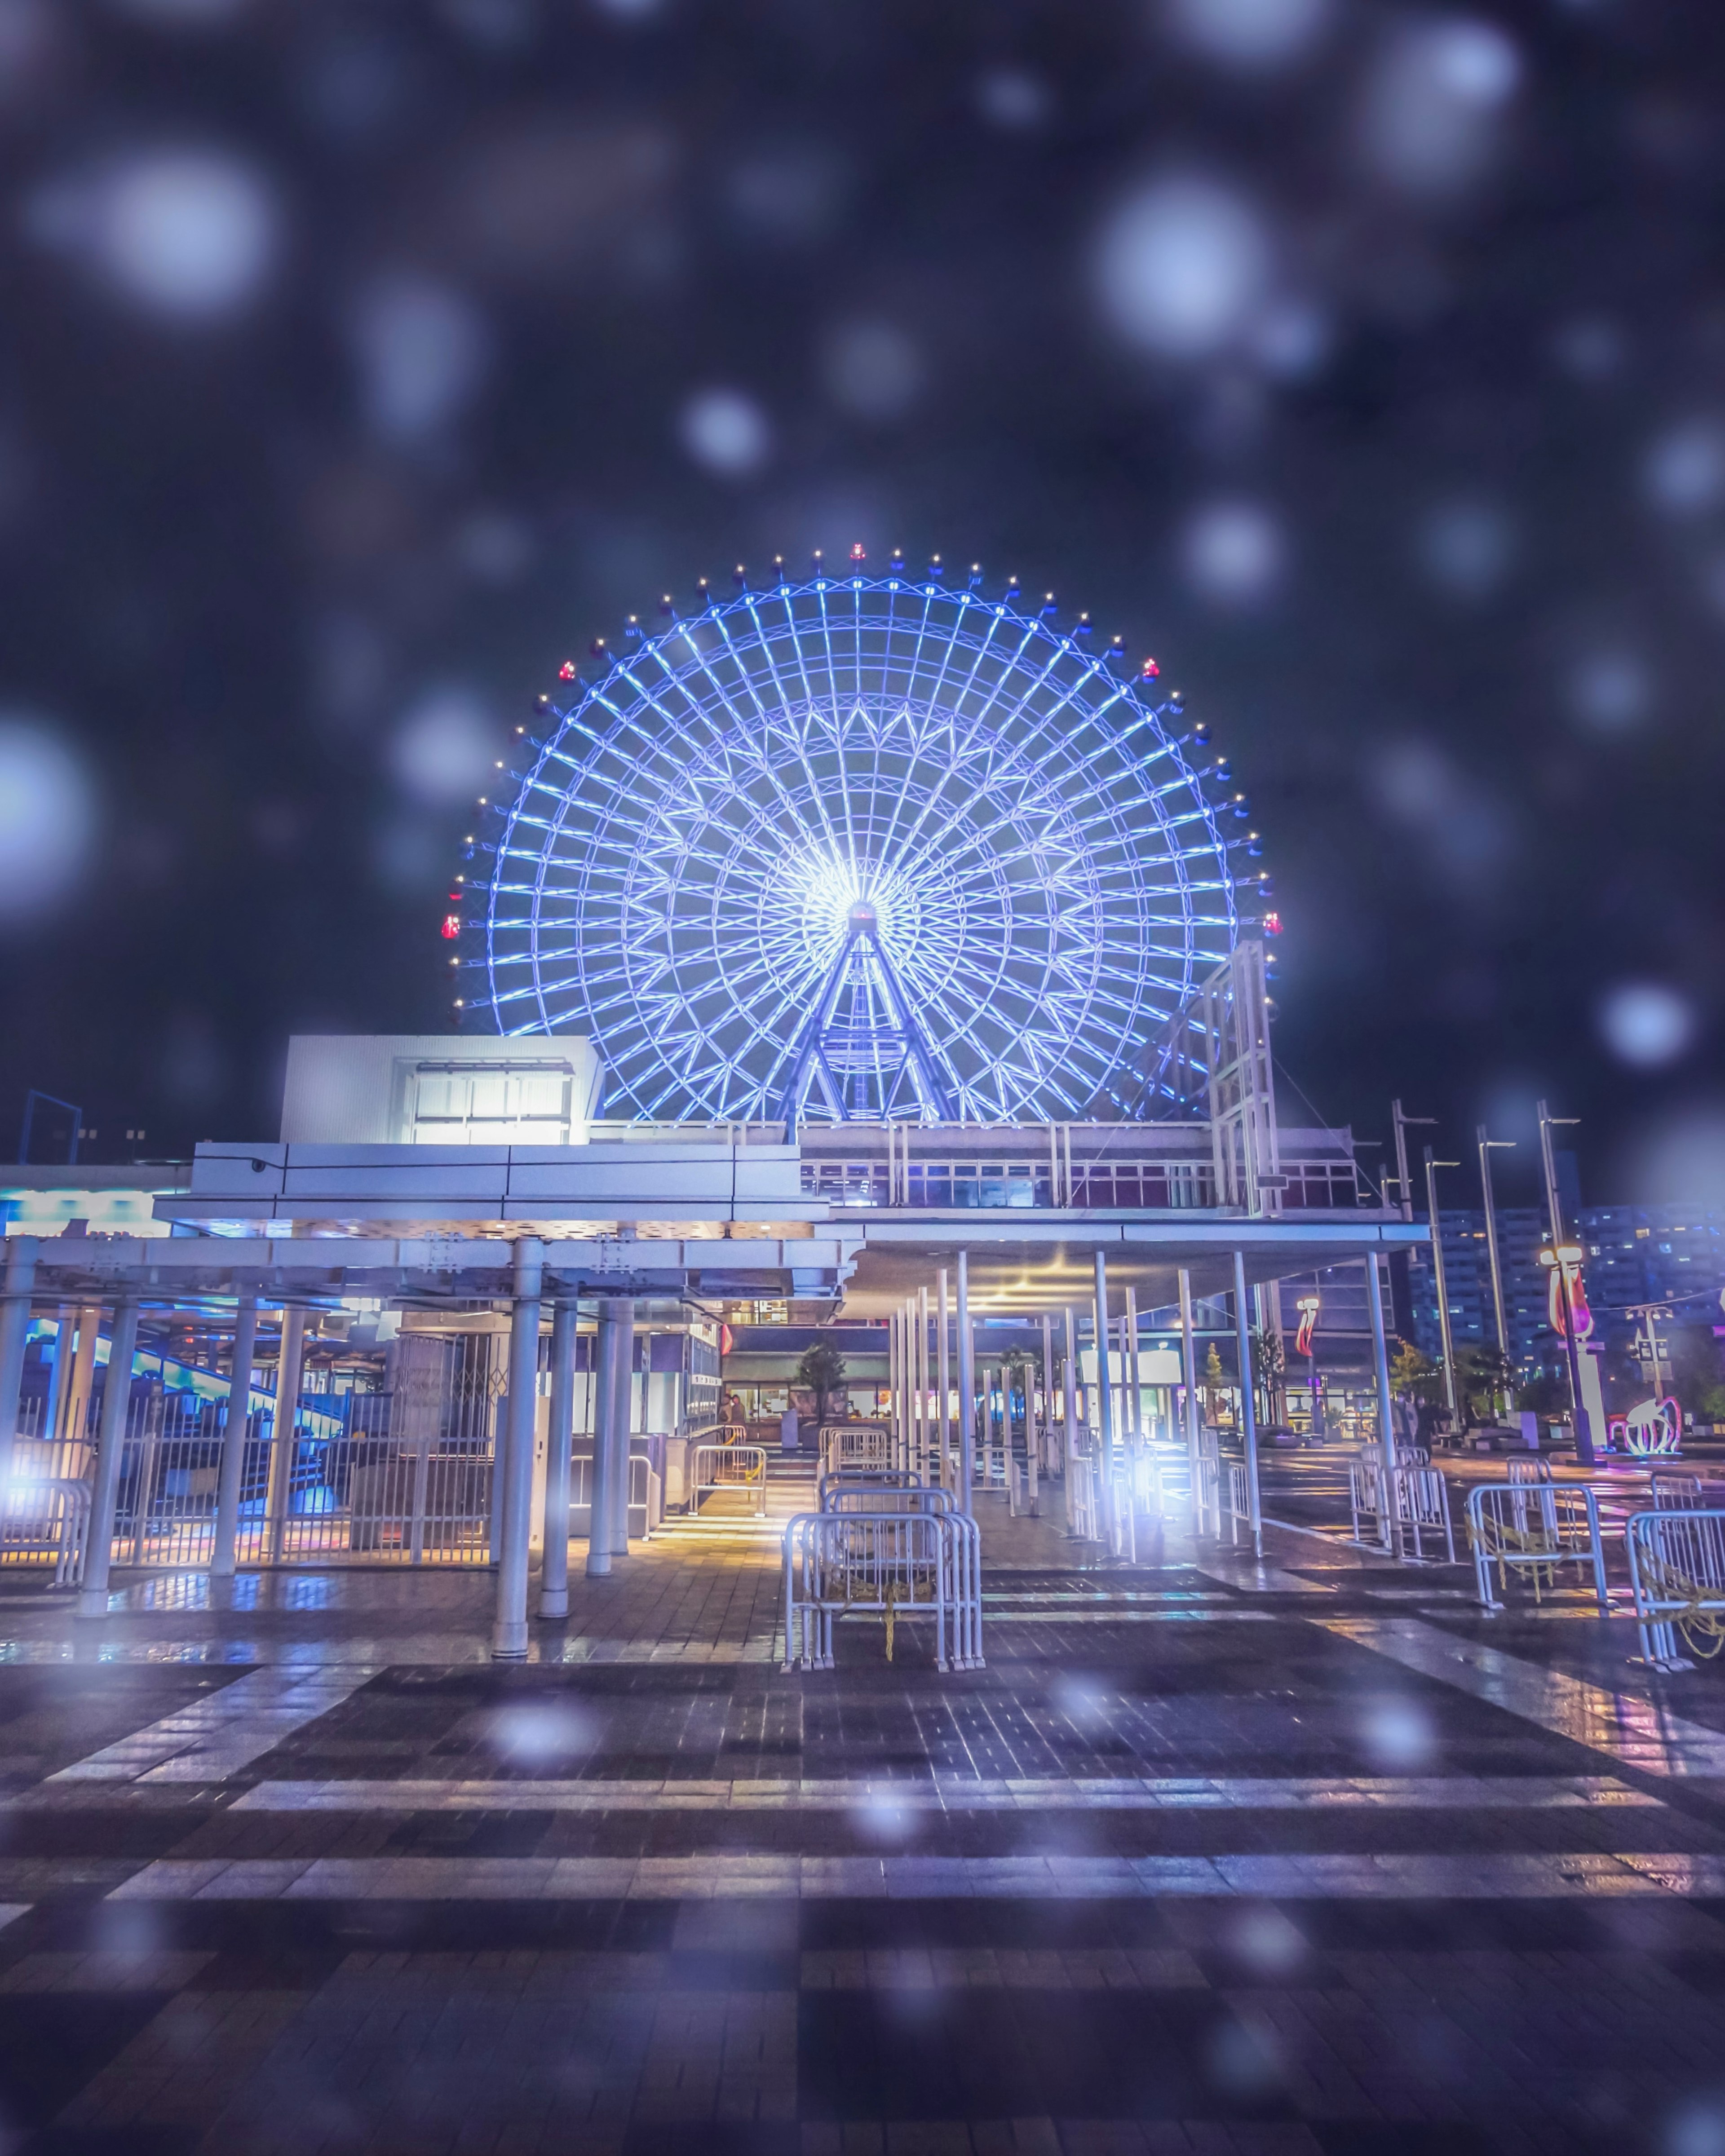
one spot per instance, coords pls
(1069, 1399)
(1248, 1411)
(913, 1432)
(290, 1366)
(943, 1374)
(604, 1449)
(913, 1372)
(924, 1389)
(554, 1573)
(53, 1407)
(224, 1555)
(967, 1391)
(14, 1329)
(111, 1449)
(1136, 1392)
(1380, 1358)
(1189, 1353)
(509, 1631)
(1105, 1390)
(622, 1427)
(1048, 1384)
(900, 1389)
(80, 1382)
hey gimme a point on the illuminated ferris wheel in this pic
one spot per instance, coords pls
(863, 847)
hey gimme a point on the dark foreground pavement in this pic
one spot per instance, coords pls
(1210, 1858)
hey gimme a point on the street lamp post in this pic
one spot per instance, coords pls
(1492, 1257)
(1486, 1146)
(1572, 1353)
(1432, 1167)
(1404, 1182)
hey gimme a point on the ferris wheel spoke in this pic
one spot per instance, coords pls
(675, 870)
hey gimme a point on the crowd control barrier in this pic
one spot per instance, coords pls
(1680, 1492)
(1533, 1528)
(849, 1444)
(1420, 1513)
(49, 1516)
(1677, 1562)
(742, 1467)
(890, 1490)
(888, 1563)
(867, 1478)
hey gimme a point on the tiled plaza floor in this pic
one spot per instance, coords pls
(1303, 1859)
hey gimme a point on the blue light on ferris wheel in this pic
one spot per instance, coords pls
(860, 847)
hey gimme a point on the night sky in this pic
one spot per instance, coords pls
(1365, 364)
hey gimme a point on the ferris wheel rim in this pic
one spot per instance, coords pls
(684, 700)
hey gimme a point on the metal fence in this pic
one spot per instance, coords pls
(403, 1475)
(1534, 1527)
(740, 1468)
(1677, 1562)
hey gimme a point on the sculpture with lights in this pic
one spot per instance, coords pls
(863, 846)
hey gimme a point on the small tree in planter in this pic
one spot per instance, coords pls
(1415, 1377)
(822, 1373)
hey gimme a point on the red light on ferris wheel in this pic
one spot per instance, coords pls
(857, 553)
(1272, 924)
(451, 927)
(566, 672)
(1151, 670)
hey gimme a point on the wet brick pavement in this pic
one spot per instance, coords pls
(1302, 1860)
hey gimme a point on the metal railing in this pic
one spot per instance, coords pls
(731, 1467)
(857, 1444)
(862, 1498)
(1677, 1565)
(885, 1478)
(890, 1564)
(1419, 1510)
(46, 1518)
(1534, 1527)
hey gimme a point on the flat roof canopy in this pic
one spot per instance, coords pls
(430, 1269)
(1020, 1264)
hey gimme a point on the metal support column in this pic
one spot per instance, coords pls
(111, 1449)
(1189, 1364)
(604, 1414)
(1440, 1284)
(14, 1330)
(1134, 1420)
(224, 1551)
(1104, 1389)
(284, 1431)
(944, 1375)
(924, 1389)
(1554, 1208)
(623, 1428)
(515, 1471)
(1493, 1257)
(1380, 1359)
(1248, 1407)
(967, 1391)
(914, 1367)
(80, 1381)
(1068, 1399)
(54, 1406)
(1048, 1383)
(554, 1570)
